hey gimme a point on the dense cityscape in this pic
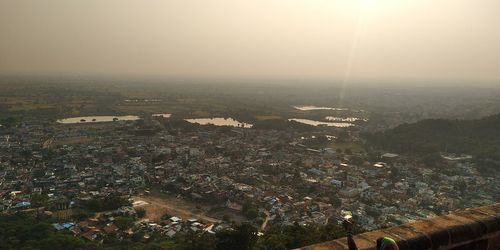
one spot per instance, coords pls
(226, 175)
(249, 125)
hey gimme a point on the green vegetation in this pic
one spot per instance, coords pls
(278, 124)
(475, 136)
(19, 232)
(294, 236)
(22, 232)
(81, 214)
(480, 138)
(267, 117)
(105, 204)
(250, 210)
(243, 237)
(38, 200)
(124, 223)
(141, 212)
(347, 146)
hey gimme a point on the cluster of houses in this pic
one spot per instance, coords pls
(281, 173)
(107, 225)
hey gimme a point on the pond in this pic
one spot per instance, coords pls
(217, 121)
(325, 124)
(94, 119)
(344, 119)
(312, 107)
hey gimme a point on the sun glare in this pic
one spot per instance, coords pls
(368, 3)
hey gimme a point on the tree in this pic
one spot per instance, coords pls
(226, 218)
(195, 241)
(336, 201)
(26, 153)
(60, 241)
(22, 232)
(243, 237)
(343, 136)
(250, 211)
(141, 212)
(39, 200)
(432, 159)
(295, 236)
(395, 173)
(373, 212)
(124, 222)
(322, 140)
(111, 202)
(461, 186)
(8, 122)
(80, 214)
(166, 216)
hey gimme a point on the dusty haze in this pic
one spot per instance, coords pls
(451, 40)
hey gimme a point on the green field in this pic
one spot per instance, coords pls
(355, 147)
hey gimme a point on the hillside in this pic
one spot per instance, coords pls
(480, 138)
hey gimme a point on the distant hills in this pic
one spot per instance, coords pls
(480, 138)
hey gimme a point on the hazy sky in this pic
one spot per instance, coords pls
(453, 40)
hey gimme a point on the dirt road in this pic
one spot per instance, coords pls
(157, 204)
(266, 220)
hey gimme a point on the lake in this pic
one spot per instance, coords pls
(311, 107)
(319, 123)
(220, 122)
(94, 119)
(344, 119)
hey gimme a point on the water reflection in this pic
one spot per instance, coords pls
(326, 124)
(94, 119)
(162, 115)
(344, 119)
(220, 122)
(309, 108)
